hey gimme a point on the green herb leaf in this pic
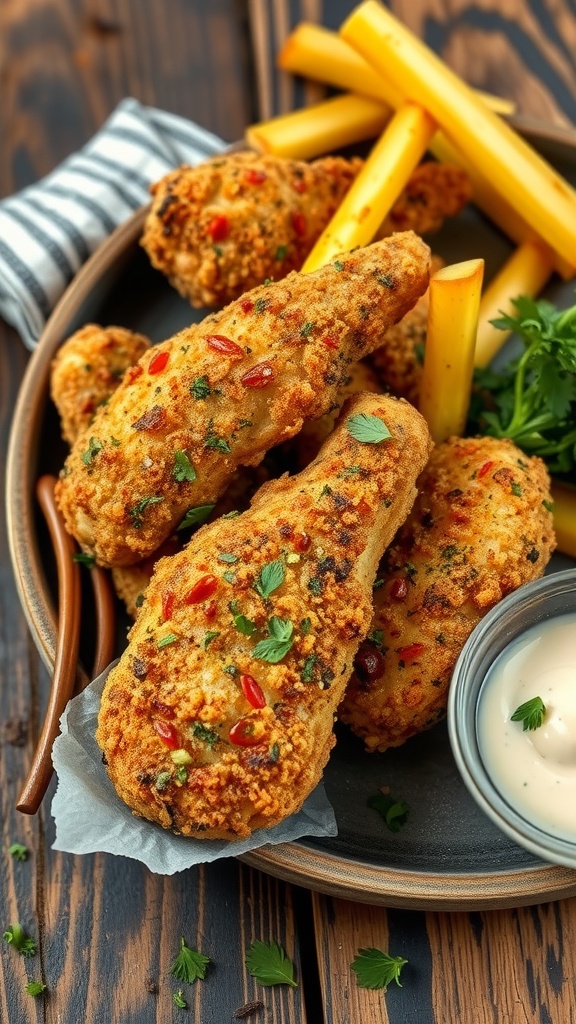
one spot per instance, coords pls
(17, 937)
(94, 446)
(260, 305)
(205, 733)
(368, 429)
(279, 643)
(183, 470)
(307, 328)
(269, 964)
(162, 780)
(136, 513)
(200, 388)
(178, 1000)
(270, 577)
(217, 444)
(18, 851)
(338, 265)
(35, 988)
(229, 576)
(530, 713)
(281, 252)
(231, 515)
(305, 626)
(394, 812)
(209, 637)
(84, 559)
(196, 516)
(307, 673)
(189, 964)
(375, 969)
(244, 625)
(226, 557)
(170, 638)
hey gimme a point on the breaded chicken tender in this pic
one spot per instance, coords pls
(398, 361)
(480, 527)
(87, 369)
(433, 193)
(221, 393)
(223, 227)
(218, 719)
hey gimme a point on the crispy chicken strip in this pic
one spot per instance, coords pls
(225, 226)
(221, 393)
(218, 718)
(480, 527)
(87, 369)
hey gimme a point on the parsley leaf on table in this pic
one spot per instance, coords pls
(17, 937)
(189, 964)
(393, 810)
(375, 969)
(269, 964)
(18, 851)
(35, 988)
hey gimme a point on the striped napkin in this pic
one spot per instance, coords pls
(48, 230)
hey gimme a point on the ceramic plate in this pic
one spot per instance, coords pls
(448, 855)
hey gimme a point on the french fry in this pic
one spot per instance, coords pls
(320, 54)
(533, 188)
(524, 273)
(454, 300)
(564, 498)
(321, 128)
(377, 186)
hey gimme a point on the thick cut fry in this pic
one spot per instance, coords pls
(564, 498)
(525, 273)
(220, 720)
(377, 186)
(320, 54)
(532, 186)
(449, 356)
(322, 128)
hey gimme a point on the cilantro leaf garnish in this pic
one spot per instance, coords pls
(136, 513)
(18, 851)
(183, 470)
(189, 964)
(394, 811)
(270, 577)
(269, 964)
(375, 969)
(200, 388)
(196, 516)
(278, 643)
(17, 937)
(35, 988)
(530, 713)
(307, 673)
(94, 446)
(244, 625)
(84, 559)
(367, 429)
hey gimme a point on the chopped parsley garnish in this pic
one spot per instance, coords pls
(385, 280)
(367, 429)
(231, 670)
(18, 851)
(350, 471)
(305, 626)
(315, 586)
(338, 265)
(269, 964)
(244, 625)
(189, 964)
(307, 673)
(136, 513)
(375, 969)
(393, 811)
(139, 600)
(376, 636)
(162, 780)
(548, 505)
(94, 446)
(516, 489)
(170, 638)
(205, 733)
(200, 388)
(84, 559)
(270, 577)
(209, 637)
(183, 470)
(181, 774)
(274, 753)
(281, 252)
(217, 444)
(530, 713)
(35, 988)
(178, 1000)
(307, 329)
(17, 937)
(218, 250)
(196, 516)
(225, 556)
(260, 305)
(279, 642)
(229, 576)
(231, 515)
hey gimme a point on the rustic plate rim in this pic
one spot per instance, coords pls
(295, 862)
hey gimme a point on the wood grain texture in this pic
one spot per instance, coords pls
(523, 50)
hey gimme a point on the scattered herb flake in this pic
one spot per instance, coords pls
(189, 964)
(338, 265)
(209, 637)
(170, 638)
(217, 444)
(136, 513)
(84, 559)
(231, 515)
(205, 733)
(196, 516)
(260, 305)
(367, 429)
(35, 988)
(307, 328)
(270, 577)
(229, 576)
(548, 505)
(244, 625)
(279, 642)
(375, 969)
(18, 851)
(269, 964)
(307, 673)
(231, 670)
(183, 470)
(224, 556)
(516, 489)
(393, 811)
(530, 713)
(315, 586)
(281, 252)
(16, 936)
(305, 626)
(162, 780)
(179, 1000)
(94, 446)
(200, 388)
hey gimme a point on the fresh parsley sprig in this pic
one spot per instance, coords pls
(530, 713)
(269, 964)
(279, 642)
(270, 577)
(375, 969)
(189, 964)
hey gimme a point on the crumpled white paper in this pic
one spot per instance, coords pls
(91, 818)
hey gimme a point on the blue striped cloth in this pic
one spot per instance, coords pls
(48, 230)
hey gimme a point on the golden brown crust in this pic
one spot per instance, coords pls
(120, 493)
(87, 369)
(480, 527)
(433, 193)
(183, 674)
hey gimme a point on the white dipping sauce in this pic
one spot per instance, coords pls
(535, 771)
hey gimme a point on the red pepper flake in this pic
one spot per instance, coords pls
(485, 469)
(222, 344)
(219, 228)
(167, 605)
(88, 406)
(161, 708)
(246, 305)
(252, 691)
(254, 176)
(210, 610)
(242, 733)
(132, 374)
(399, 590)
(258, 376)
(158, 362)
(330, 341)
(167, 733)
(152, 419)
(299, 185)
(203, 588)
(411, 652)
(302, 542)
(299, 224)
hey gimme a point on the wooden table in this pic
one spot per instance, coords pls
(108, 929)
